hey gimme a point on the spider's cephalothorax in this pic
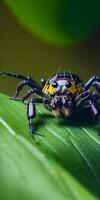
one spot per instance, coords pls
(63, 94)
(61, 90)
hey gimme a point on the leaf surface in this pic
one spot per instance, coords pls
(65, 164)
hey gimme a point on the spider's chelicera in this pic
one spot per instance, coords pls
(63, 94)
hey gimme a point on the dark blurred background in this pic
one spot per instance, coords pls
(22, 51)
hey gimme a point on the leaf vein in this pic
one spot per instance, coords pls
(87, 162)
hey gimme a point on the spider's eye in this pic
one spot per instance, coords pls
(55, 84)
(68, 84)
(52, 94)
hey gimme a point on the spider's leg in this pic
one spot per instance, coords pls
(32, 91)
(85, 95)
(97, 85)
(28, 93)
(91, 81)
(31, 114)
(19, 76)
(21, 85)
(95, 96)
(94, 110)
(22, 77)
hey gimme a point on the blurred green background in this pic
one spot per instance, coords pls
(22, 51)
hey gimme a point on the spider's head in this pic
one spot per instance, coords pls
(61, 84)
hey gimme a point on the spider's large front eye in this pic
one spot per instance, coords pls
(68, 84)
(55, 84)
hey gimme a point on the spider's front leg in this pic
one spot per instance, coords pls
(31, 114)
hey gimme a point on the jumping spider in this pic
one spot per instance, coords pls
(63, 94)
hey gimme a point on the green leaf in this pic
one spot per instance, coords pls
(65, 164)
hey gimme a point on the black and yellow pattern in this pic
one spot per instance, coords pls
(49, 89)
